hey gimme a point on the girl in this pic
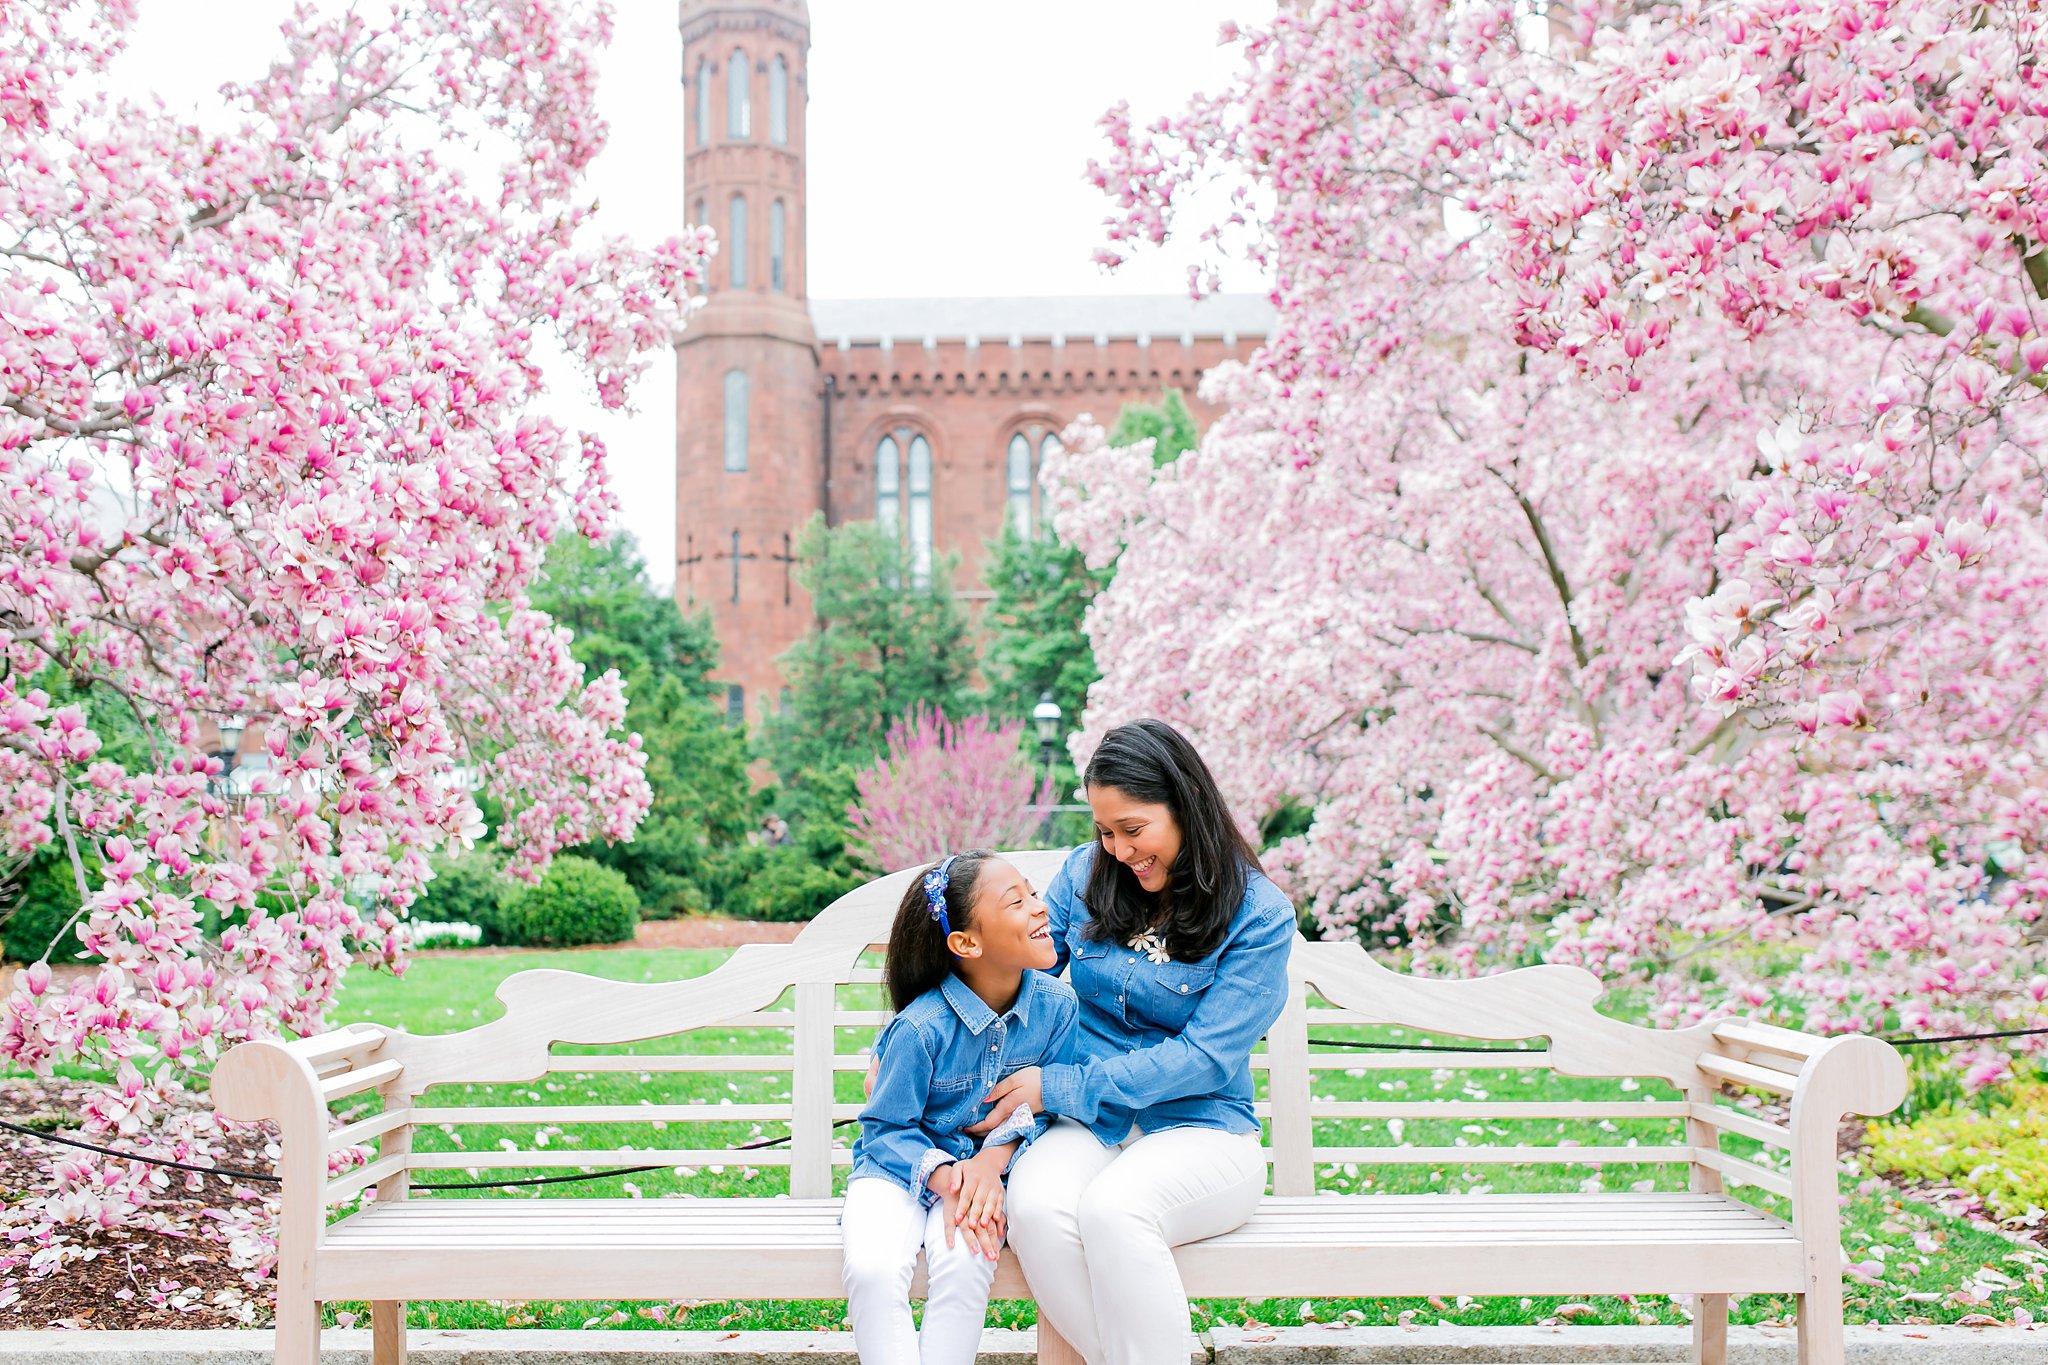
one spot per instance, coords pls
(966, 976)
(1179, 949)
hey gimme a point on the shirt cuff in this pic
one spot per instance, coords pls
(1059, 1085)
(927, 1164)
(1018, 1127)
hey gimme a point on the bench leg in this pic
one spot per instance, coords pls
(298, 1330)
(1820, 1323)
(1710, 1329)
(1054, 1349)
(387, 1333)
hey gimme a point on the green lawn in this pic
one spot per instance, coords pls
(444, 994)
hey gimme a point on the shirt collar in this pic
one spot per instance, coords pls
(974, 1012)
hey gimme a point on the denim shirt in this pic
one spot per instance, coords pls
(939, 1057)
(1166, 1045)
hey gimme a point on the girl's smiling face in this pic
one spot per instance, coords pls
(1143, 836)
(1011, 927)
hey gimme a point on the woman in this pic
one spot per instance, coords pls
(1179, 949)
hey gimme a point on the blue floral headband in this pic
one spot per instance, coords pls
(935, 892)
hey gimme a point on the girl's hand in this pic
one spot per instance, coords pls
(979, 1202)
(867, 1087)
(1019, 1087)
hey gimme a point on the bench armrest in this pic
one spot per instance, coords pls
(1826, 1079)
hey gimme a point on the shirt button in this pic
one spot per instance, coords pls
(992, 1047)
(1183, 988)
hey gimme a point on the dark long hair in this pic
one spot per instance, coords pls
(1151, 762)
(918, 956)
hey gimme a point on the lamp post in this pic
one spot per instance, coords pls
(1045, 718)
(231, 728)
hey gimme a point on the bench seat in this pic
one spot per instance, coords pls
(1317, 1245)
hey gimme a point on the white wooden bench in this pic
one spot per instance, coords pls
(1698, 1241)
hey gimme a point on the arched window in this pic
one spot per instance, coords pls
(703, 92)
(736, 243)
(778, 102)
(1022, 459)
(776, 230)
(888, 484)
(920, 512)
(739, 100)
(1019, 467)
(736, 421)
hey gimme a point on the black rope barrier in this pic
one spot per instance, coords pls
(232, 1173)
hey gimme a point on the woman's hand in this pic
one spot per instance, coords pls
(1023, 1086)
(867, 1087)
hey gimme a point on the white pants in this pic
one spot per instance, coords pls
(881, 1228)
(1095, 1227)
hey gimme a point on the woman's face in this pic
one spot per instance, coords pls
(1143, 836)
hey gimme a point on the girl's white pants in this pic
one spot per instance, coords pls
(882, 1227)
(1095, 1227)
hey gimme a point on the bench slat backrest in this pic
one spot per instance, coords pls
(791, 993)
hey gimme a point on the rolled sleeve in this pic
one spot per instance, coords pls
(892, 1129)
(1247, 995)
(928, 1166)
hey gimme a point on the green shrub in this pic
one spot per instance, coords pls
(35, 907)
(468, 889)
(2000, 1156)
(790, 886)
(577, 902)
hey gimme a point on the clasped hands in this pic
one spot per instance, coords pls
(972, 1190)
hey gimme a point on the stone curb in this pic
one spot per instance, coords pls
(1893, 1345)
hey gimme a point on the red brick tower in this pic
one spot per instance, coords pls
(749, 430)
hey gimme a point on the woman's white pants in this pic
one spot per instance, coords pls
(1095, 1227)
(881, 1228)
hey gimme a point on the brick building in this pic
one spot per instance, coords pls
(929, 415)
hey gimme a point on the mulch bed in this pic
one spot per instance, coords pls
(135, 1277)
(145, 1277)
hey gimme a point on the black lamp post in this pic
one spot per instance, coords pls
(1045, 718)
(231, 728)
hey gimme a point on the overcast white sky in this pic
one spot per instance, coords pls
(947, 146)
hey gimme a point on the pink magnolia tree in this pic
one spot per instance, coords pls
(944, 786)
(1629, 543)
(267, 450)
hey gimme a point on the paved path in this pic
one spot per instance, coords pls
(1229, 1346)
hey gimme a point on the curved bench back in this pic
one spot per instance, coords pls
(793, 991)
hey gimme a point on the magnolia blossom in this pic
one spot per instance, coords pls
(1627, 545)
(269, 458)
(944, 786)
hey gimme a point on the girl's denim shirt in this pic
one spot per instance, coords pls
(1166, 1044)
(939, 1057)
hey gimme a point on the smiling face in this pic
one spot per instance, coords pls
(1011, 926)
(1141, 835)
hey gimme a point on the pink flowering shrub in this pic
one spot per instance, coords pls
(1629, 540)
(267, 450)
(944, 786)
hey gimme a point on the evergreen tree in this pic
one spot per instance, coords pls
(1041, 590)
(1170, 426)
(883, 645)
(704, 802)
(600, 590)
(1042, 587)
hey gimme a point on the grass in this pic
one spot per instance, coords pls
(1926, 1254)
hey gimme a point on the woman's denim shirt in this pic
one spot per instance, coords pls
(1168, 1044)
(939, 1058)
